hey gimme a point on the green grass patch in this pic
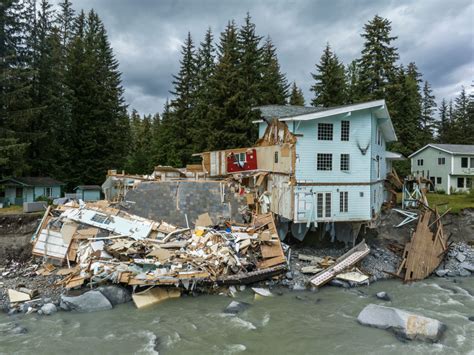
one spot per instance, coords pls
(456, 202)
(13, 209)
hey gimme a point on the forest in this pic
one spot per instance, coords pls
(63, 112)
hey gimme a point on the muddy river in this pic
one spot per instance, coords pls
(321, 322)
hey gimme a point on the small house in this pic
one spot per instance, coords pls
(18, 190)
(449, 167)
(88, 193)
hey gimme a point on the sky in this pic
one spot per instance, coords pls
(147, 35)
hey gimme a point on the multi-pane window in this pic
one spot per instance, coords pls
(320, 205)
(324, 161)
(441, 161)
(420, 162)
(325, 131)
(343, 201)
(439, 180)
(345, 164)
(100, 218)
(464, 162)
(276, 157)
(328, 205)
(345, 127)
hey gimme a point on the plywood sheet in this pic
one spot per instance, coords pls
(154, 296)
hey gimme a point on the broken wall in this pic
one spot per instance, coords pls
(170, 201)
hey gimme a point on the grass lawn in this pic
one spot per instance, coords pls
(13, 209)
(455, 202)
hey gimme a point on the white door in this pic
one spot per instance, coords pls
(323, 205)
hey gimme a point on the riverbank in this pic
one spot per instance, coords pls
(380, 264)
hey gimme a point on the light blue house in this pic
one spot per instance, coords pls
(340, 162)
(88, 193)
(27, 189)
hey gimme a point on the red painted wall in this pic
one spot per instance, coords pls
(250, 163)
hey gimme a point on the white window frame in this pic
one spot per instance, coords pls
(345, 165)
(238, 158)
(48, 191)
(441, 160)
(343, 201)
(324, 162)
(419, 162)
(345, 130)
(325, 131)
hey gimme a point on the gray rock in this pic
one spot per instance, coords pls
(461, 257)
(468, 266)
(383, 296)
(90, 301)
(402, 323)
(339, 283)
(116, 294)
(235, 307)
(18, 330)
(441, 273)
(299, 287)
(289, 275)
(471, 318)
(464, 273)
(452, 273)
(48, 309)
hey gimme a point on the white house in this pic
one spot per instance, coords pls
(450, 167)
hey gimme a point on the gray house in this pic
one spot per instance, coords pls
(17, 190)
(88, 192)
(450, 167)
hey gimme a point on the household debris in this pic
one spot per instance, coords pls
(100, 244)
(404, 324)
(343, 263)
(426, 249)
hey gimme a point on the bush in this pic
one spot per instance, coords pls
(45, 199)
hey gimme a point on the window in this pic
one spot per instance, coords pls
(420, 162)
(379, 137)
(240, 157)
(343, 201)
(464, 162)
(100, 218)
(48, 191)
(320, 205)
(472, 162)
(469, 183)
(19, 192)
(328, 204)
(460, 182)
(439, 180)
(361, 194)
(276, 157)
(324, 162)
(325, 131)
(344, 162)
(345, 127)
(378, 166)
(441, 161)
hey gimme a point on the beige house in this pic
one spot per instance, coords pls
(450, 167)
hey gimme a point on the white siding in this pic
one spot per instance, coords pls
(431, 168)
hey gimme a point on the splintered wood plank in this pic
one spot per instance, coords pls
(271, 250)
(271, 262)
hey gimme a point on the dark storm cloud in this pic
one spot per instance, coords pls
(146, 36)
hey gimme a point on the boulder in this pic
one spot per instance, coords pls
(464, 273)
(471, 318)
(383, 296)
(48, 309)
(299, 287)
(461, 257)
(404, 324)
(116, 294)
(468, 266)
(235, 307)
(441, 273)
(90, 301)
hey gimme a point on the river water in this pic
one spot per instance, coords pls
(306, 322)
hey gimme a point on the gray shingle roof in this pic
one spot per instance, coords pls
(88, 187)
(456, 148)
(283, 111)
(36, 181)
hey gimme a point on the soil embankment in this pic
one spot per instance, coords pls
(15, 233)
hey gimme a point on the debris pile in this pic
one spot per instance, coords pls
(459, 261)
(99, 244)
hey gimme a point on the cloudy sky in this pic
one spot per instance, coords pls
(146, 36)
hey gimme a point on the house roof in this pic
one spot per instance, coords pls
(301, 113)
(34, 181)
(448, 148)
(394, 156)
(87, 187)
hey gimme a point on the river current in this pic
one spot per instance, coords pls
(303, 322)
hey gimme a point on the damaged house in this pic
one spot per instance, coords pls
(314, 166)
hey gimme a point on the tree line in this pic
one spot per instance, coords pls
(63, 113)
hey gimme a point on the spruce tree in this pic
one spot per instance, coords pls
(330, 83)
(463, 129)
(296, 96)
(377, 68)
(428, 106)
(443, 122)
(274, 85)
(352, 83)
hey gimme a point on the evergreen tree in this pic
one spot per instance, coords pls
(16, 107)
(352, 83)
(463, 125)
(443, 123)
(296, 96)
(141, 148)
(274, 86)
(428, 106)
(330, 83)
(377, 64)
(182, 106)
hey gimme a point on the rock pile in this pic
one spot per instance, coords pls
(459, 261)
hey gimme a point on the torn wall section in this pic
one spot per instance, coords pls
(172, 201)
